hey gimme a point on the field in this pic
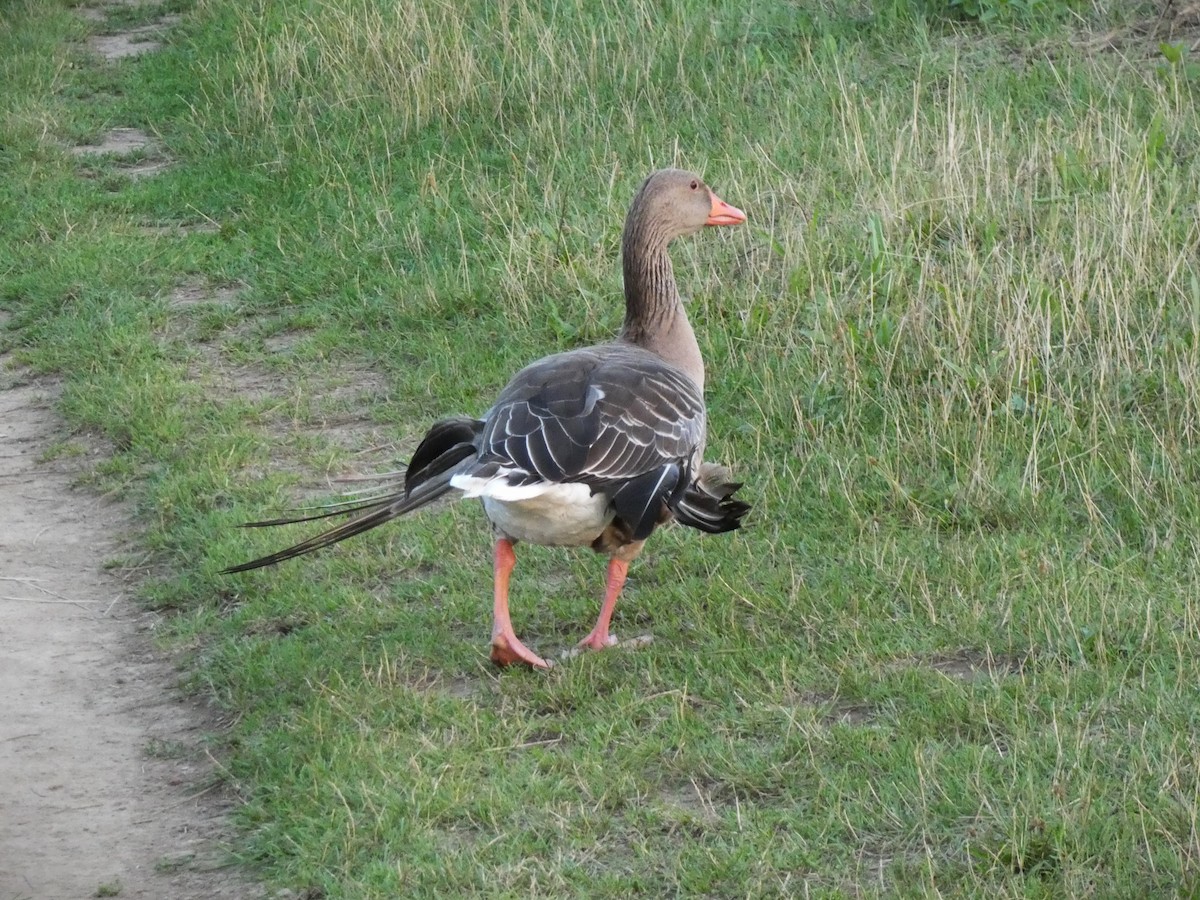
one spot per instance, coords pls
(954, 354)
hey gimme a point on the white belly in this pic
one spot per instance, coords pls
(552, 515)
(550, 519)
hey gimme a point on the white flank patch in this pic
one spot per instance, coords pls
(498, 488)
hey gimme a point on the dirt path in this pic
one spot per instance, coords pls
(102, 792)
(105, 788)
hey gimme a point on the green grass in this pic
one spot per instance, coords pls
(955, 355)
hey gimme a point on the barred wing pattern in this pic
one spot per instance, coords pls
(616, 418)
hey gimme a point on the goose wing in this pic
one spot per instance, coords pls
(615, 418)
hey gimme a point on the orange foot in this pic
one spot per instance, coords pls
(508, 650)
(598, 640)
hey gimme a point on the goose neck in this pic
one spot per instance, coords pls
(654, 315)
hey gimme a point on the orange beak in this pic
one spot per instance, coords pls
(723, 214)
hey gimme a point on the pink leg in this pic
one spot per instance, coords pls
(506, 648)
(600, 638)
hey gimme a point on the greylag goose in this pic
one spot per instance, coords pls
(592, 447)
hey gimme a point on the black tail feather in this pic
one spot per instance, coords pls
(446, 444)
(372, 515)
(708, 503)
(334, 509)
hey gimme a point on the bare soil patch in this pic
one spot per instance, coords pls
(972, 665)
(177, 229)
(200, 292)
(137, 151)
(118, 142)
(127, 42)
(1175, 22)
(325, 410)
(693, 801)
(107, 787)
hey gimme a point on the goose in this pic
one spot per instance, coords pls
(594, 447)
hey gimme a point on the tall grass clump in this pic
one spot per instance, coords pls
(1017, 307)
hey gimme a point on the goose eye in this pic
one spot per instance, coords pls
(695, 185)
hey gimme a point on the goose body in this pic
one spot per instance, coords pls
(591, 447)
(601, 431)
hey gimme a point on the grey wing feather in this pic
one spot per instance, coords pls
(598, 415)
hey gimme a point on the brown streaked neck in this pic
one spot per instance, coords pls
(654, 315)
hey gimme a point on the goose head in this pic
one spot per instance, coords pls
(672, 203)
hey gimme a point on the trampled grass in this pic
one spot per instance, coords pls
(954, 355)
